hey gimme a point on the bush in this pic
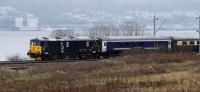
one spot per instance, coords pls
(69, 32)
(146, 57)
(15, 58)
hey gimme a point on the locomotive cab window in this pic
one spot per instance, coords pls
(35, 43)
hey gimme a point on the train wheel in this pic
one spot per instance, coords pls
(101, 57)
(55, 57)
(76, 57)
(44, 58)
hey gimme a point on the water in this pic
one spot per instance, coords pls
(17, 42)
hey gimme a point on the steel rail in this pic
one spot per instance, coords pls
(40, 62)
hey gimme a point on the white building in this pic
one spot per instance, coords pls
(27, 23)
(32, 23)
(19, 22)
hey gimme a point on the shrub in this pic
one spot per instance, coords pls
(15, 58)
(145, 57)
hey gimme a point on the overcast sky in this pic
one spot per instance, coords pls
(145, 5)
(51, 10)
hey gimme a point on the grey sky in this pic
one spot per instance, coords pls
(52, 10)
(147, 5)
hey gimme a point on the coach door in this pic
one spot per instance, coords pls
(104, 46)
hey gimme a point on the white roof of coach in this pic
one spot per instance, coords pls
(186, 38)
(135, 38)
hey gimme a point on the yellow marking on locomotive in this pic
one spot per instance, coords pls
(36, 49)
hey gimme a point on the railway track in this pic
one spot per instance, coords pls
(23, 65)
(41, 62)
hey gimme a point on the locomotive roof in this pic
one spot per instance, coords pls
(67, 39)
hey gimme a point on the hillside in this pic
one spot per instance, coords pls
(134, 71)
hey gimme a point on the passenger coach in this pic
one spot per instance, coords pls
(113, 45)
(190, 44)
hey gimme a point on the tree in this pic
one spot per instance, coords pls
(103, 30)
(111, 29)
(69, 32)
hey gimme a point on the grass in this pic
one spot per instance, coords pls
(133, 71)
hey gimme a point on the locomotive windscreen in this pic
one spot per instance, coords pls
(35, 43)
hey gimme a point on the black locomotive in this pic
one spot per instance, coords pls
(61, 48)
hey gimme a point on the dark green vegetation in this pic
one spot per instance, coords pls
(131, 72)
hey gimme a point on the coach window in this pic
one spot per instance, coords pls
(198, 42)
(126, 43)
(179, 43)
(184, 43)
(87, 44)
(67, 44)
(156, 43)
(192, 42)
(139, 44)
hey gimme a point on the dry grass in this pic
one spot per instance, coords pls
(133, 71)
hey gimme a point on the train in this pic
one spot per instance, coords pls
(96, 47)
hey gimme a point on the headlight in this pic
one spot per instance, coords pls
(46, 53)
